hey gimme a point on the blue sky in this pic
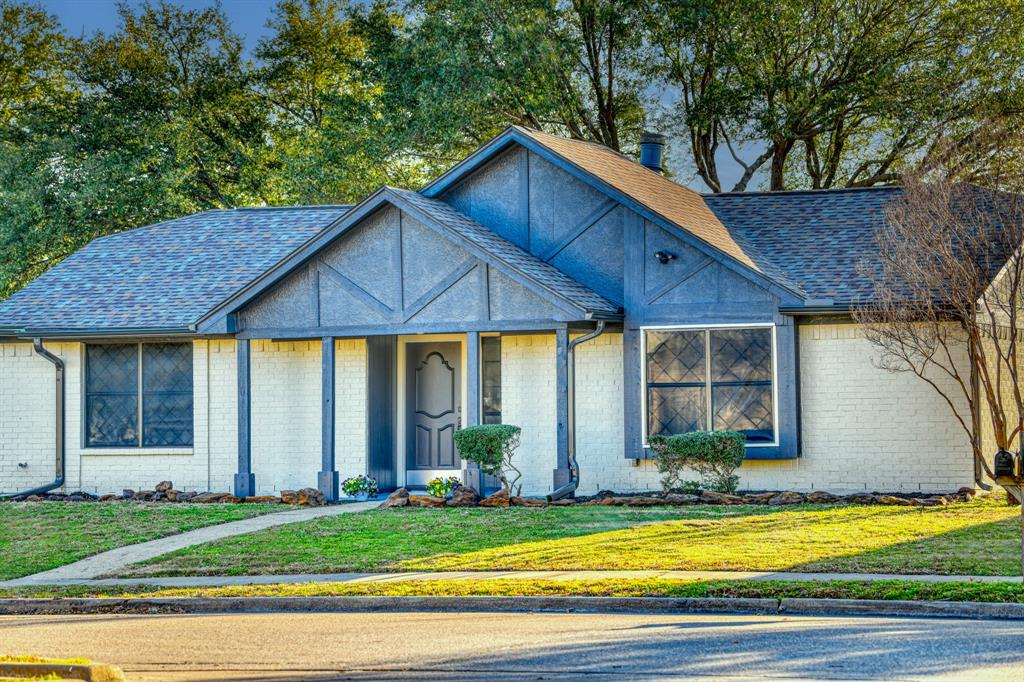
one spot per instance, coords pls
(248, 17)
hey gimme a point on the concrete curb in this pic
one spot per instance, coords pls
(208, 605)
(90, 673)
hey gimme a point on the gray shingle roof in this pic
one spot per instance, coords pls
(815, 239)
(513, 256)
(163, 276)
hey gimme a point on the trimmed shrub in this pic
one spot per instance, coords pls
(492, 446)
(715, 455)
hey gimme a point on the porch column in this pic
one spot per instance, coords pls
(562, 474)
(327, 480)
(471, 474)
(245, 480)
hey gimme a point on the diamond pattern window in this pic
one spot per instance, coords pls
(710, 379)
(139, 395)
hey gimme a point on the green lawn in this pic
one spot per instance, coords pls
(901, 590)
(979, 538)
(37, 536)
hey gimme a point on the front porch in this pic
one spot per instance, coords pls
(387, 405)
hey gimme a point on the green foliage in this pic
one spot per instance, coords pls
(492, 446)
(715, 455)
(359, 484)
(443, 487)
(166, 116)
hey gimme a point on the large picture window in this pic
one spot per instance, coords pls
(138, 395)
(710, 380)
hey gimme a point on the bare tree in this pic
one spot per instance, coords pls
(948, 286)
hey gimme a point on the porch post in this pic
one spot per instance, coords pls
(562, 473)
(245, 480)
(471, 475)
(327, 480)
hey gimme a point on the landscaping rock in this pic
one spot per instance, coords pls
(110, 498)
(821, 497)
(860, 498)
(681, 498)
(311, 497)
(464, 496)
(143, 496)
(758, 498)
(187, 496)
(163, 486)
(127, 494)
(171, 495)
(599, 502)
(261, 499)
(893, 500)
(498, 499)
(709, 497)
(786, 498)
(210, 498)
(426, 501)
(601, 494)
(564, 502)
(399, 498)
(528, 502)
(644, 501)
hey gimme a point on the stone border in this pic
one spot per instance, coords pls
(467, 497)
(811, 607)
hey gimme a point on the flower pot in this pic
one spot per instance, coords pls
(361, 497)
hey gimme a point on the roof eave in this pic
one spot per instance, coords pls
(96, 332)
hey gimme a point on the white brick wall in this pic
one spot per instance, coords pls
(528, 401)
(27, 430)
(863, 428)
(286, 421)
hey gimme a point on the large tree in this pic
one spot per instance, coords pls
(834, 93)
(458, 71)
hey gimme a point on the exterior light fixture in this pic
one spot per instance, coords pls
(664, 257)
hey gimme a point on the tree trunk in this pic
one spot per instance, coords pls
(780, 151)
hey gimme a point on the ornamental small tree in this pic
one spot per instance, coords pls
(491, 446)
(715, 455)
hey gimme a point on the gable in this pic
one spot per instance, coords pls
(549, 213)
(391, 271)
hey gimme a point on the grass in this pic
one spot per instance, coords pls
(898, 590)
(37, 536)
(979, 538)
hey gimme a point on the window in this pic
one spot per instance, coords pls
(138, 395)
(490, 394)
(710, 380)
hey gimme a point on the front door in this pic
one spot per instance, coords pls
(433, 408)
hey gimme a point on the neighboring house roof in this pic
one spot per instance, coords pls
(163, 276)
(820, 240)
(514, 257)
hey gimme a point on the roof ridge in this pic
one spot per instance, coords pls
(298, 207)
(790, 192)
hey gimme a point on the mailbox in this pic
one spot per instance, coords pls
(1004, 465)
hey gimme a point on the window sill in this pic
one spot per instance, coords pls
(135, 452)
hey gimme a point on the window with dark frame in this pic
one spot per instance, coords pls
(490, 366)
(138, 395)
(710, 380)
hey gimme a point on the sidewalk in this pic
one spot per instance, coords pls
(116, 559)
(220, 581)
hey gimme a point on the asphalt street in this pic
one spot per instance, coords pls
(540, 646)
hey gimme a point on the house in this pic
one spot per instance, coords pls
(544, 282)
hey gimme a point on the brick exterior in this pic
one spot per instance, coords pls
(286, 421)
(862, 428)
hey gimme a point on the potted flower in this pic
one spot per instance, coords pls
(443, 487)
(360, 487)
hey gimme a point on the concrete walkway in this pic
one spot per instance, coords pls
(220, 581)
(116, 559)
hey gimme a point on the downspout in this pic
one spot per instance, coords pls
(574, 467)
(58, 481)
